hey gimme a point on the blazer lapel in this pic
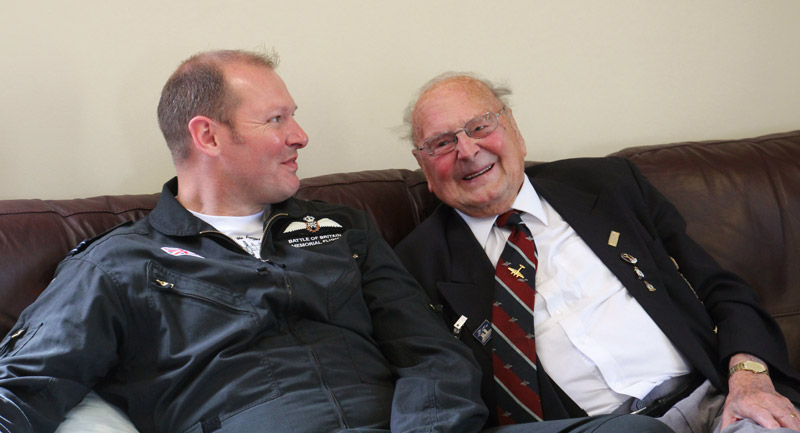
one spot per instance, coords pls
(603, 226)
(469, 288)
(594, 218)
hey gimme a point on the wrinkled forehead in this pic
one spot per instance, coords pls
(449, 104)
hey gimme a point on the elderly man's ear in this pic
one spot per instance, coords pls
(513, 123)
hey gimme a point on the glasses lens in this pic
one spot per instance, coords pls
(482, 126)
(440, 144)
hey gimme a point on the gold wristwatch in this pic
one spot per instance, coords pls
(751, 366)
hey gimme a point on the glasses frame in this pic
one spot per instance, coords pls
(433, 152)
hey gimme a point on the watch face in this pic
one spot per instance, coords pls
(751, 366)
(755, 367)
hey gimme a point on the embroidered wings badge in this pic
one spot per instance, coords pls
(310, 224)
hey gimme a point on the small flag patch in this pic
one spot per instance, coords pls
(180, 252)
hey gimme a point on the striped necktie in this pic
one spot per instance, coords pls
(513, 342)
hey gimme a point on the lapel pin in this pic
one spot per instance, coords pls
(458, 325)
(484, 332)
(629, 258)
(639, 274)
(613, 238)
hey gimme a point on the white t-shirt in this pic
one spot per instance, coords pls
(247, 231)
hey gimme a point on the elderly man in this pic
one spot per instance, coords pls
(576, 285)
(233, 307)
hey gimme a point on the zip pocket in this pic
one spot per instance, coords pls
(17, 339)
(168, 282)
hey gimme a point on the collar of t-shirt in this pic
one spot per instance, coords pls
(246, 230)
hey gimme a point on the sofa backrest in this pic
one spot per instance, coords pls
(397, 199)
(741, 200)
(35, 235)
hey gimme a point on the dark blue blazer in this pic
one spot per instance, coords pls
(708, 316)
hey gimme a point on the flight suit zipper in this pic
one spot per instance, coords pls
(317, 363)
(323, 382)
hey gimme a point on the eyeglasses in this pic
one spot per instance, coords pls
(478, 127)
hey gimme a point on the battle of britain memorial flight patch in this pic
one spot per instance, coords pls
(311, 231)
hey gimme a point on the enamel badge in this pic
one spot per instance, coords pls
(484, 332)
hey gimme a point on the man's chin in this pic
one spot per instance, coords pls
(287, 188)
(482, 205)
(476, 209)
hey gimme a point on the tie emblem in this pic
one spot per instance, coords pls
(517, 272)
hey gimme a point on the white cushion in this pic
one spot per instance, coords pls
(95, 415)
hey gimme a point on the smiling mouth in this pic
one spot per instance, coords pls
(474, 175)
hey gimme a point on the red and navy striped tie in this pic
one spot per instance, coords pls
(513, 342)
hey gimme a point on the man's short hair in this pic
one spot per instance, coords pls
(198, 88)
(501, 92)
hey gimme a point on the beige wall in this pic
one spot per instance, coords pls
(81, 79)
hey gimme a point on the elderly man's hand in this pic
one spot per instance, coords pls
(753, 396)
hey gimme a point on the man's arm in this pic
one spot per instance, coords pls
(752, 395)
(61, 344)
(438, 380)
(743, 326)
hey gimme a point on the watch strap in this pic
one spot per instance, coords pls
(751, 366)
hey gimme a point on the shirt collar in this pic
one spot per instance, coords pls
(527, 201)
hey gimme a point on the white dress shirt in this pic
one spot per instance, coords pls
(592, 337)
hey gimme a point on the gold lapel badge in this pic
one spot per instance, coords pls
(613, 238)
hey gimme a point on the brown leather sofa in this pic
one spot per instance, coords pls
(741, 200)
